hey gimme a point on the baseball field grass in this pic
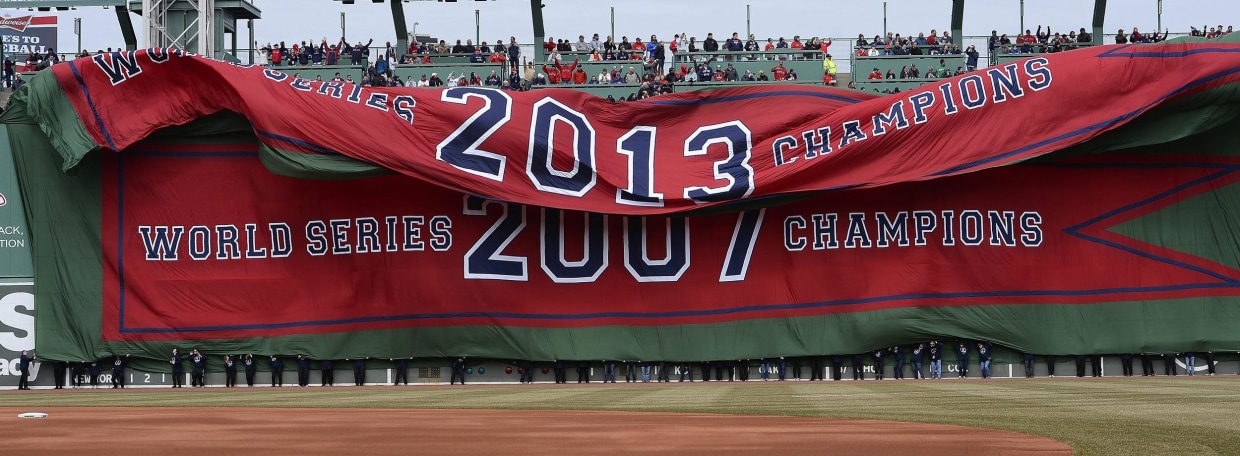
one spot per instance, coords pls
(1109, 416)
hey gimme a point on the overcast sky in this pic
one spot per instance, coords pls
(300, 20)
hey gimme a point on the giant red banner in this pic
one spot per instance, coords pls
(567, 149)
(203, 242)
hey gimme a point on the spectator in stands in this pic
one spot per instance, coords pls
(762, 76)
(477, 57)
(792, 75)
(658, 53)
(513, 52)
(904, 74)
(829, 67)
(357, 53)
(1084, 36)
(582, 45)
(751, 46)
(730, 74)
(734, 44)
(1121, 38)
(748, 76)
(913, 72)
(580, 76)
(9, 71)
(876, 74)
(710, 45)
(779, 71)
(435, 81)
(891, 74)
(812, 47)
(971, 59)
(474, 80)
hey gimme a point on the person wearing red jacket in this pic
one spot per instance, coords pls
(579, 76)
(560, 72)
(875, 74)
(779, 71)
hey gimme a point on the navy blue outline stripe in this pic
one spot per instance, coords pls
(193, 154)
(90, 102)
(1227, 283)
(1103, 124)
(1115, 53)
(1075, 230)
(297, 142)
(676, 314)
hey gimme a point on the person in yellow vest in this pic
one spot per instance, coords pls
(829, 69)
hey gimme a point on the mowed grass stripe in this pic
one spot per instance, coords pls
(1096, 416)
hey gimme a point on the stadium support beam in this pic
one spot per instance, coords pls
(402, 32)
(1100, 13)
(958, 21)
(536, 7)
(127, 33)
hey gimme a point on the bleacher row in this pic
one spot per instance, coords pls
(810, 71)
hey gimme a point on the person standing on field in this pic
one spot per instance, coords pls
(277, 370)
(178, 370)
(983, 358)
(1028, 364)
(250, 369)
(199, 373)
(897, 355)
(230, 371)
(118, 370)
(303, 370)
(936, 360)
(458, 371)
(359, 371)
(23, 365)
(327, 373)
(962, 360)
(917, 353)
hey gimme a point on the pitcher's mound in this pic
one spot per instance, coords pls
(488, 432)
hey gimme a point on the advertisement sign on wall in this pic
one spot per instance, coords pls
(26, 35)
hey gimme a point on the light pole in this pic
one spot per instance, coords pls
(748, 29)
(343, 35)
(77, 30)
(613, 22)
(1022, 16)
(415, 29)
(477, 26)
(1160, 17)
